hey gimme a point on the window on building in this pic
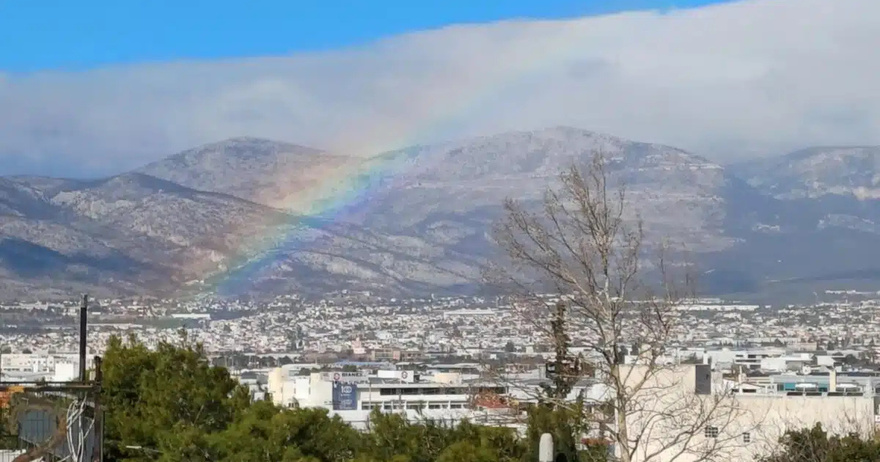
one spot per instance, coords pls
(747, 437)
(711, 432)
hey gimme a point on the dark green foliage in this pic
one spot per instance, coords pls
(464, 451)
(816, 445)
(161, 399)
(391, 436)
(8, 440)
(565, 424)
(566, 370)
(266, 432)
(169, 404)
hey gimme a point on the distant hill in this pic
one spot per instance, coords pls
(817, 172)
(229, 217)
(268, 172)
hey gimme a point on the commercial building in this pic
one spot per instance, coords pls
(353, 395)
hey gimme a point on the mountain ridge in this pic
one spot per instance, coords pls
(259, 170)
(423, 222)
(816, 171)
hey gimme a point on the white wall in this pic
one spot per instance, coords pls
(768, 417)
(764, 416)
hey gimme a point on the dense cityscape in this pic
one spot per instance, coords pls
(351, 325)
(468, 358)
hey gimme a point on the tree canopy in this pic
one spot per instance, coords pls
(154, 398)
(816, 444)
(170, 404)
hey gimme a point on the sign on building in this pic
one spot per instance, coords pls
(344, 396)
(350, 377)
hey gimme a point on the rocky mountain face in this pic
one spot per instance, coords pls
(826, 234)
(230, 217)
(429, 209)
(257, 170)
(677, 194)
(817, 172)
(832, 188)
(126, 234)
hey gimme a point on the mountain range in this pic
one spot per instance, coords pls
(254, 216)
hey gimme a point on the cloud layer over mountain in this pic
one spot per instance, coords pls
(726, 81)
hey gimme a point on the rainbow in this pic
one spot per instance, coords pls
(339, 191)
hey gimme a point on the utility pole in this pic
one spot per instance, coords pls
(83, 331)
(98, 429)
(848, 314)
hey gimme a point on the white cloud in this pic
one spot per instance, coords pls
(745, 78)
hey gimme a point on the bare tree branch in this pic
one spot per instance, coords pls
(584, 246)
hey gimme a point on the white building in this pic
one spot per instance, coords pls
(353, 395)
(61, 367)
(725, 358)
(788, 362)
(746, 420)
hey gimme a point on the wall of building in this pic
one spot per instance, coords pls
(766, 418)
(736, 427)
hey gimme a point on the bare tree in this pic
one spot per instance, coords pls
(585, 246)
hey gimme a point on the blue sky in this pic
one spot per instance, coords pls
(72, 35)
